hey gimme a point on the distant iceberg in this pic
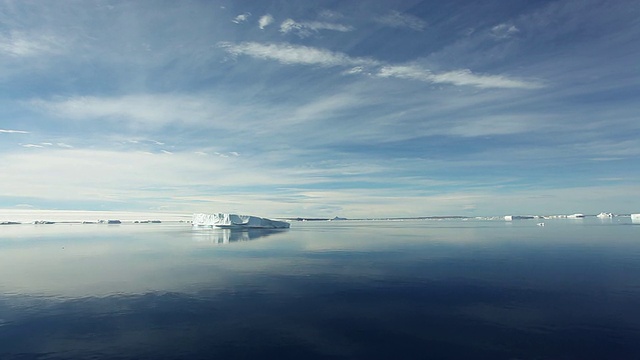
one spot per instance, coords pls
(635, 218)
(518, 217)
(234, 221)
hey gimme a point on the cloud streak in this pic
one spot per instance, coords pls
(462, 77)
(147, 109)
(307, 28)
(397, 19)
(22, 45)
(503, 31)
(8, 131)
(294, 54)
(241, 18)
(302, 55)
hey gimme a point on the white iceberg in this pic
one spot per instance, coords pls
(635, 218)
(233, 221)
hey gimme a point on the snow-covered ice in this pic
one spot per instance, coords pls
(223, 220)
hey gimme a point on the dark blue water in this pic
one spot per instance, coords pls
(415, 289)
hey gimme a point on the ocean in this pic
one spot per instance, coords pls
(440, 289)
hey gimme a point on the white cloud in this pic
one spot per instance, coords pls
(294, 54)
(7, 131)
(495, 125)
(241, 18)
(20, 44)
(330, 14)
(399, 20)
(265, 21)
(32, 146)
(456, 77)
(354, 70)
(157, 110)
(503, 31)
(308, 28)
(610, 148)
(103, 174)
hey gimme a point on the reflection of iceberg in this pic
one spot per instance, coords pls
(227, 235)
(635, 218)
(234, 221)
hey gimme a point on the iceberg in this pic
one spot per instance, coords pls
(234, 221)
(635, 218)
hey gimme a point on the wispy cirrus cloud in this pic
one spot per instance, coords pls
(241, 18)
(294, 54)
(462, 77)
(47, 144)
(8, 131)
(21, 44)
(330, 14)
(145, 109)
(304, 55)
(397, 19)
(496, 125)
(503, 31)
(307, 28)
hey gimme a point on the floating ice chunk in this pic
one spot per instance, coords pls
(635, 218)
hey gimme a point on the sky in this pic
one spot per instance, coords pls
(323, 108)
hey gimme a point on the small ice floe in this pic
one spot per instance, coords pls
(540, 224)
(109, 222)
(10, 223)
(605, 215)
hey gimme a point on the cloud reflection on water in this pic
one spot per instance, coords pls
(343, 290)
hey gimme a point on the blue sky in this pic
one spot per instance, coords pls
(323, 108)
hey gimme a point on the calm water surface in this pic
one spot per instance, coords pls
(414, 289)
